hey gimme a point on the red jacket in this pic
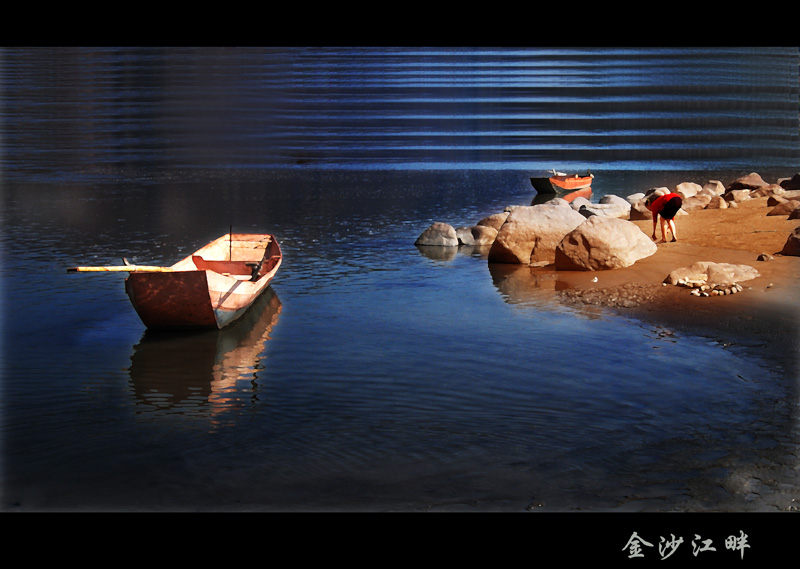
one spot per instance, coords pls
(659, 203)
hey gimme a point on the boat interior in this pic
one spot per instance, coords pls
(244, 257)
(242, 270)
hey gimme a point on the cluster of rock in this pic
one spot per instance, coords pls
(706, 278)
(784, 196)
(716, 290)
(552, 232)
(581, 235)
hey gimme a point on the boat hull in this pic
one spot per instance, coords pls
(561, 183)
(171, 300)
(205, 290)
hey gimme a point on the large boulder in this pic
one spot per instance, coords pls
(483, 235)
(438, 235)
(700, 200)
(495, 220)
(779, 198)
(634, 198)
(715, 187)
(785, 208)
(776, 199)
(750, 182)
(639, 211)
(712, 273)
(766, 191)
(602, 243)
(688, 189)
(464, 235)
(579, 202)
(792, 245)
(717, 202)
(531, 234)
(736, 196)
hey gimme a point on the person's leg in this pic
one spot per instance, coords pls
(663, 230)
(672, 228)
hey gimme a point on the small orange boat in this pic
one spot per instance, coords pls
(211, 288)
(561, 182)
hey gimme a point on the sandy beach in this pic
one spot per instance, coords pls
(765, 312)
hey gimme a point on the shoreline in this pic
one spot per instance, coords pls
(766, 312)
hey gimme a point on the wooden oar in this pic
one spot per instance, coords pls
(127, 267)
(121, 268)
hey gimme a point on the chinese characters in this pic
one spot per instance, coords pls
(638, 546)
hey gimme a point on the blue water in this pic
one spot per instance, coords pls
(376, 376)
(444, 108)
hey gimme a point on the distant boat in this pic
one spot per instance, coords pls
(211, 288)
(557, 182)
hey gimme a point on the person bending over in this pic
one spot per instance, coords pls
(666, 206)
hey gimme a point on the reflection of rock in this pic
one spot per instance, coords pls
(440, 253)
(602, 243)
(541, 289)
(185, 372)
(521, 284)
(531, 234)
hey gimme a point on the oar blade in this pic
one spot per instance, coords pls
(120, 269)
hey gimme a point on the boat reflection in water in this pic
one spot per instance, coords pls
(203, 373)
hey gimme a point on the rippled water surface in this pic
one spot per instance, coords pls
(374, 376)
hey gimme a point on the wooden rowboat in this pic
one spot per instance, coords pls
(211, 288)
(560, 182)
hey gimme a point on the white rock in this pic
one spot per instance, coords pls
(602, 243)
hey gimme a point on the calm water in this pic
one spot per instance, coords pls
(375, 376)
